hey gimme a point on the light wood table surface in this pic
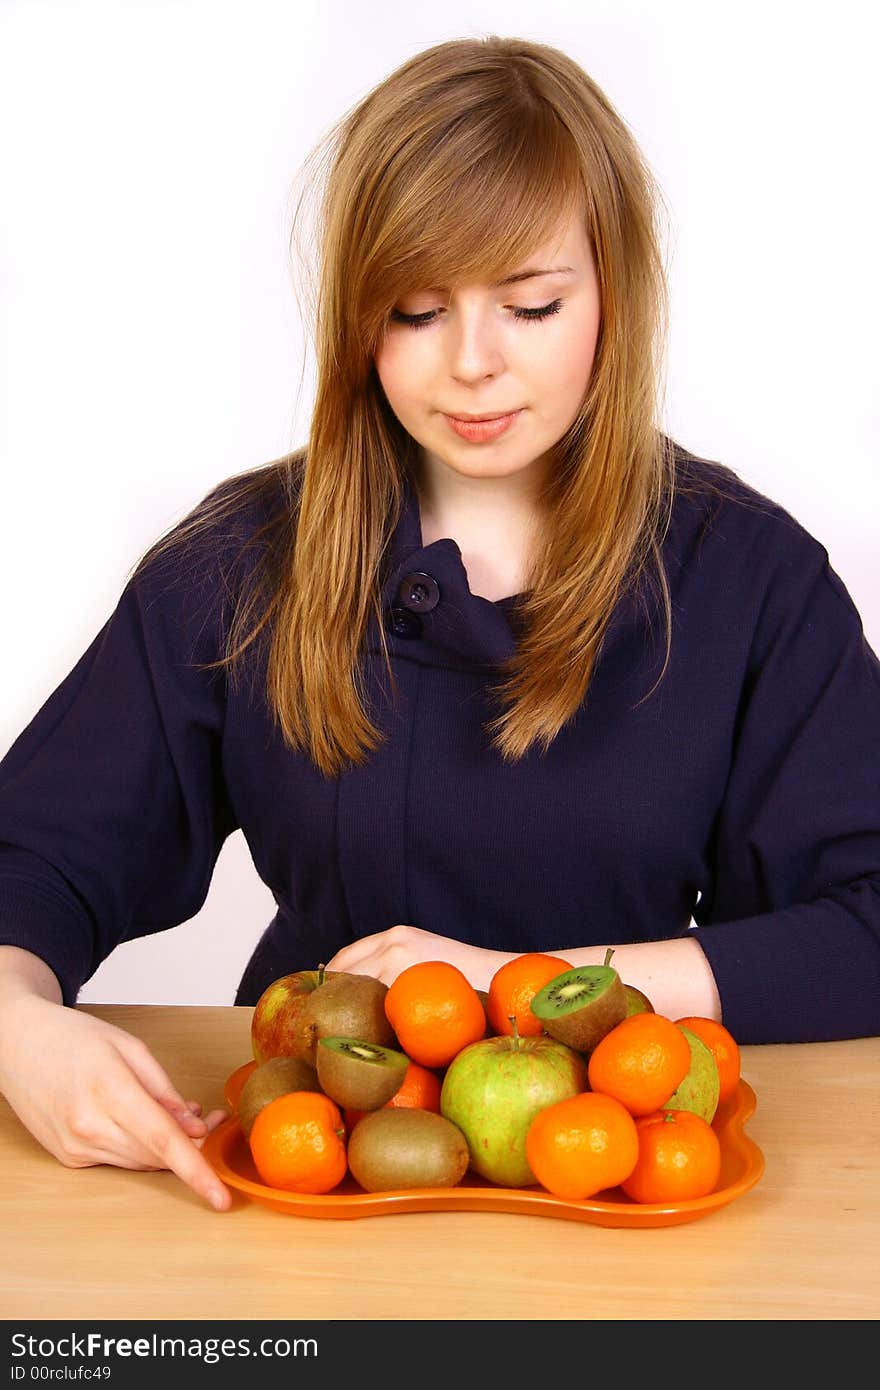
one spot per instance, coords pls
(107, 1243)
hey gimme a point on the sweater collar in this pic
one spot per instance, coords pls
(430, 613)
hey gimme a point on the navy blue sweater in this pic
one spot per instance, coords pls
(743, 794)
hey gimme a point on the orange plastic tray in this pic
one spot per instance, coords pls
(742, 1164)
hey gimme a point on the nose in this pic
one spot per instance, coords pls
(474, 345)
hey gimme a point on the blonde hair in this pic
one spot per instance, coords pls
(455, 168)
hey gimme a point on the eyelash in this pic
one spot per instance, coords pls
(527, 315)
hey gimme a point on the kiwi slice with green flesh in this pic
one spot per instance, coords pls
(404, 1148)
(581, 1005)
(277, 1076)
(358, 1074)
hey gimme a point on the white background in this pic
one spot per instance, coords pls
(153, 344)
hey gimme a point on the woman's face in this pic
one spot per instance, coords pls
(525, 348)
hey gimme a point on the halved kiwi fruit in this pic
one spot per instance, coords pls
(581, 1005)
(358, 1074)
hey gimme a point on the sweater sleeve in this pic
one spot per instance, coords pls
(113, 807)
(791, 924)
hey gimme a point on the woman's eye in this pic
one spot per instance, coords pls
(412, 320)
(528, 315)
(543, 313)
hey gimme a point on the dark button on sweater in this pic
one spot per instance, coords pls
(420, 592)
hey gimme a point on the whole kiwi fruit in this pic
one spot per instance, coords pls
(581, 1005)
(277, 1076)
(395, 1148)
(346, 1006)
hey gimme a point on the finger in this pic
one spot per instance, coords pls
(366, 963)
(151, 1074)
(164, 1145)
(213, 1120)
(357, 951)
(344, 959)
(193, 1125)
(159, 1085)
(128, 1153)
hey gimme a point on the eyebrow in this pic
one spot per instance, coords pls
(529, 274)
(532, 275)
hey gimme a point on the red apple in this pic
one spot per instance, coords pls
(493, 1089)
(276, 1017)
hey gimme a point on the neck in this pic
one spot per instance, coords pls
(492, 520)
(447, 497)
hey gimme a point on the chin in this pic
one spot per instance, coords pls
(472, 460)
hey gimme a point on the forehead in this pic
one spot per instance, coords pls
(566, 254)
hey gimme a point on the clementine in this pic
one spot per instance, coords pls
(514, 986)
(679, 1158)
(298, 1143)
(434, 1011)
(723, 1047)
(582, 1145)
(640, 1062)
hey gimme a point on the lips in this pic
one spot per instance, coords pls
(476, 419)
(482, 428)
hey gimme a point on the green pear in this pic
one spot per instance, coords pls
(698, 1091)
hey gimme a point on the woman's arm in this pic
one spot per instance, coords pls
(675, 975)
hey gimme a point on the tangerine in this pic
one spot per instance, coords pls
(679, 1158)
(514, 986)
(434, 1011)
(420, 1091)
(582, 1145)
(298, 1143)
(724, 1048)
(640, 1062)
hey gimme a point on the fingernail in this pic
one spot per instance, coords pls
(194, 1106)
(217, 1199)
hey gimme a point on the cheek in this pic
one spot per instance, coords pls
(397, 371)
(567, 369)
(383, 361)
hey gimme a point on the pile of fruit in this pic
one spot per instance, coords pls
(557, 1077)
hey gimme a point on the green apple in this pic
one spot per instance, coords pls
(494, 1088)
(637, 1002)
(698, 1091)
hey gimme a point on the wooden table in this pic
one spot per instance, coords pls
(110, 1243)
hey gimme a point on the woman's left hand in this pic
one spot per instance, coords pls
(386, 953)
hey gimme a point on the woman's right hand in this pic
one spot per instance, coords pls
(91, 1093)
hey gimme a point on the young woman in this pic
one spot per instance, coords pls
(490, 665)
